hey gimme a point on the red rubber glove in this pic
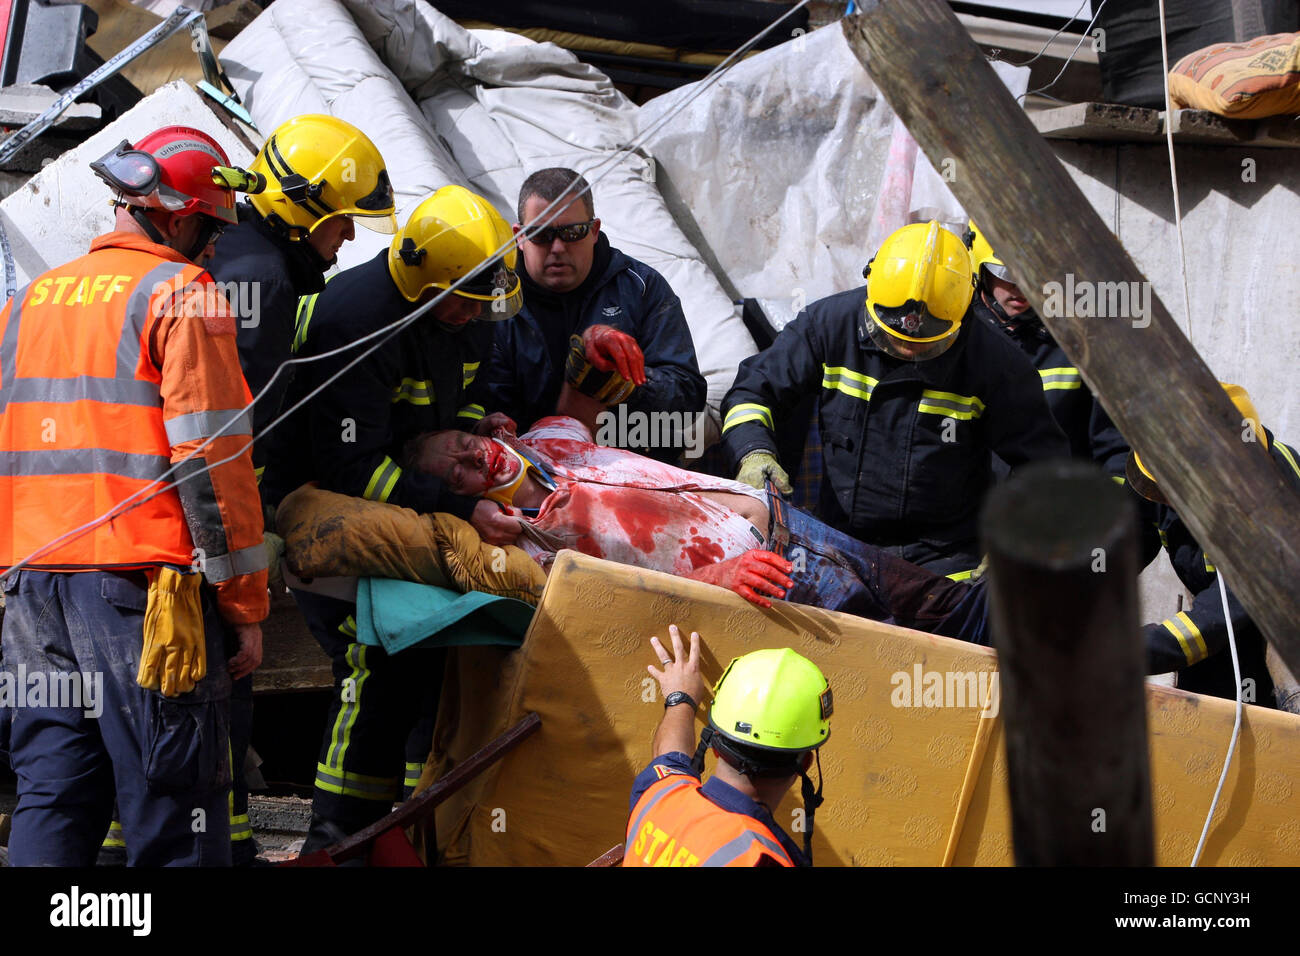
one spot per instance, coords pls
(608, 349)
(751, 575)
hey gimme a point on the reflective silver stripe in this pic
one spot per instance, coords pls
(131, 342)
(382, 480)
(62, 391)
(185, 428)
(82, 461)
(1064, 377)
(9, 347)
(240, 827)
(736, 847)
(636, 824)
(225, 566)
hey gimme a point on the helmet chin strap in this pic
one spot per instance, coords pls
(145, 223)
(811, 801)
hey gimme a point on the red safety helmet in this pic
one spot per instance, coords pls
(172, 169)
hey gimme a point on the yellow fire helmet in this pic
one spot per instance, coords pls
(1145, 484)
(318, 167)
(452, 234)
(919, 286)
(982, 255)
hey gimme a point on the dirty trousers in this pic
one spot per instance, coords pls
(165, 759)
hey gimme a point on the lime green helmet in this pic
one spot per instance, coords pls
(770, 708)
(773, 700)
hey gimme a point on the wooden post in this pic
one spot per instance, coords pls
(1139, 364)
(1061, 539)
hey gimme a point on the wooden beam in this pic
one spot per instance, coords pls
(611, 857)
(423, 804)
(1140, 365)
(1061, 540)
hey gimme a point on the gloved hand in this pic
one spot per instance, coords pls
(758, 466)
(175, 655)
(273, 544)
(609, 349)
(609, 386)
(751, 575)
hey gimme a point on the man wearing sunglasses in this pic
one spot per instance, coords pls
(119, 375)
(915, 399)
(609, 325)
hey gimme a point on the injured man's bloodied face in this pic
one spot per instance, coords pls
(471, 465)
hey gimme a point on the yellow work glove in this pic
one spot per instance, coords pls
(175, 654)
(758, 466)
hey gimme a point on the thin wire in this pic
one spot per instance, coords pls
(547, 216)
(1056, 79)
(1236, 723)
(1173, 175)
(1052, 37)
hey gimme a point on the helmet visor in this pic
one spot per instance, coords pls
(906, 349)
(911, 320)
(132, 172)
(497, 308)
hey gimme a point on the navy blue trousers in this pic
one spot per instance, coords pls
(166, 760)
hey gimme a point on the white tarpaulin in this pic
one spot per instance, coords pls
(481, 109)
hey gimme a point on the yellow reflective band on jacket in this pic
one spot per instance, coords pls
(1289, 455)
(473, 413)
(382, 480)
(950, 405)
(306, 306)
(1164, 538)
(1066, 377)
(414, 390)
(1119, 480)
(349, 627)
(837, 378)
(414, 771)
(348, 784)
(1208, 566)
(961, 575)
(257, 473)
(1189, 636)
(341, 733)
(114, 837)
(468, 371)
(748, 412)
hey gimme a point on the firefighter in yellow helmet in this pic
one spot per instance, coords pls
(770, 715)
(913, 401)
(454, 248)
(1192, 640)
(314, 177)
(1001, 303)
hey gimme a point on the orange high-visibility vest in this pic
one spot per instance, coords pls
(81, 422)
(674, 824)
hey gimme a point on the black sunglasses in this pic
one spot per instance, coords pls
(573, 232)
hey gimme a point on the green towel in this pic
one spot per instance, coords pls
(400, 614)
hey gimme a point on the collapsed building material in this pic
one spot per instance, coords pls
(909, 730)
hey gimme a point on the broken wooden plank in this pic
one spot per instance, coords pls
(611, 857)
(1137, 361)
(423, 804)
(1099, 121)
(1061, 540)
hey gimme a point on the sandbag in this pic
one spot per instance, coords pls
(1241, 80)
(332, 535)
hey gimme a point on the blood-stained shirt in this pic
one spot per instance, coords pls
(621, 506)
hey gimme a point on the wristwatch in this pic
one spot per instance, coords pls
(679, 697)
